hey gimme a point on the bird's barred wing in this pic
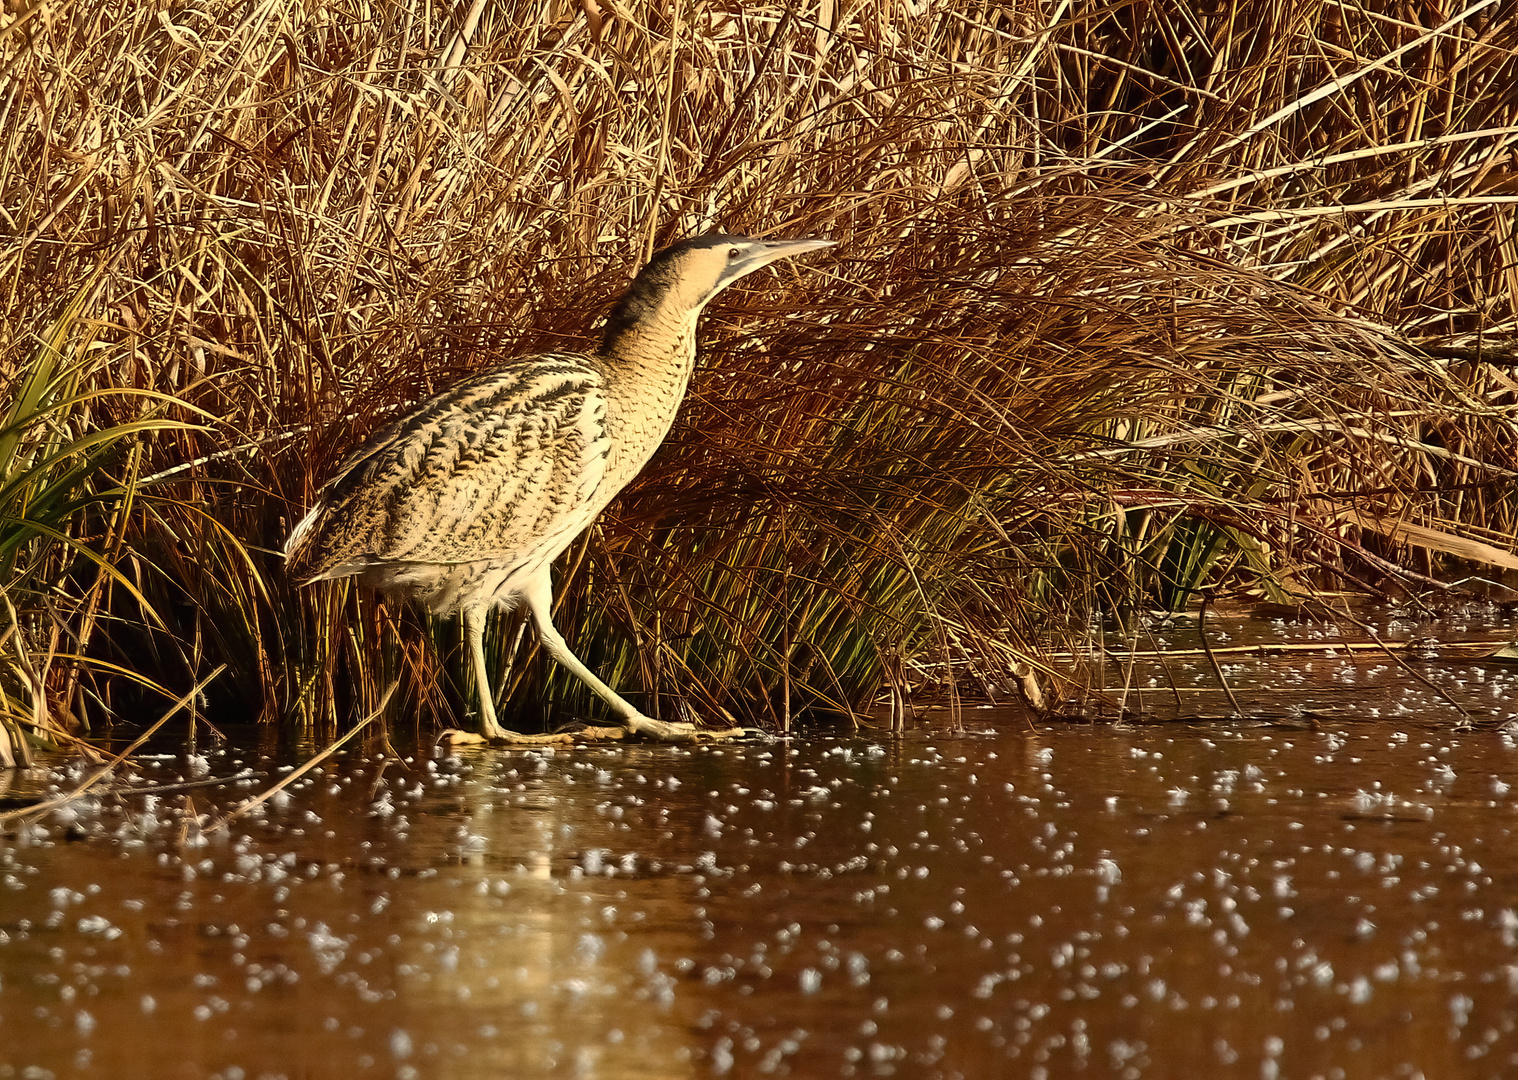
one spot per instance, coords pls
(490, 469)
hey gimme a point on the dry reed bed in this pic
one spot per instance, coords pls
(1116, 315)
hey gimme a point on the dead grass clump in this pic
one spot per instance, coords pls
(1116, 317)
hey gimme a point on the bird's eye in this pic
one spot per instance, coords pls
(732, 253)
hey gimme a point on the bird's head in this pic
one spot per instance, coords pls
(681, 279)
(703, 267)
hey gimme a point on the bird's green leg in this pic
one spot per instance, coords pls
(490, 727)
(539, 601)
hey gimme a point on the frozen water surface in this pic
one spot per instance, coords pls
(1226, 900)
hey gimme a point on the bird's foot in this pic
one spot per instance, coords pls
(497, 736)
(645, 727)
(516, 738)
(591, 733)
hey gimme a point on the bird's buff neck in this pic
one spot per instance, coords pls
(646, 356)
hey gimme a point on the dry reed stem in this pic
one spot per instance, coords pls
(306, 766)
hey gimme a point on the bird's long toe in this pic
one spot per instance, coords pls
(499, 736)
(591, 733)
(644, 727)
(455, 739)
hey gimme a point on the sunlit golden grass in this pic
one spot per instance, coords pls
(1129, 302)
(68, 487)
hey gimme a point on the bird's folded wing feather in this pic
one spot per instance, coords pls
(487, 470)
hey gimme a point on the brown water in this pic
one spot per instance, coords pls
(1222, 900)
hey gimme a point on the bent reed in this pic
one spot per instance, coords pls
(1133, 303)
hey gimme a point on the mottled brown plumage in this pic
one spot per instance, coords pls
(465, 502)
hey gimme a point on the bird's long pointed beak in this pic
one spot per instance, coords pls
(784, 249)
(769, 252)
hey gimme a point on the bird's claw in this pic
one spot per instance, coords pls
(499, 736)
(512, 738)
(651, 730)
(601, 734)
(644, 730)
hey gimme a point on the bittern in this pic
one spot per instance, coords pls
(465, 502)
